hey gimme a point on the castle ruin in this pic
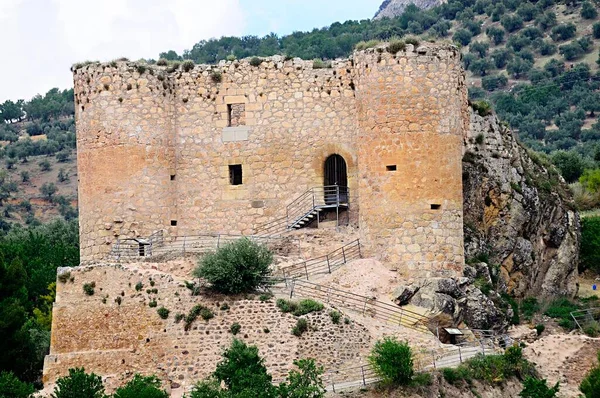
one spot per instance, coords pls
(225, 148)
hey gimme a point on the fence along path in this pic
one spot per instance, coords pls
(323, 264)
(424, 361)
(366, 306)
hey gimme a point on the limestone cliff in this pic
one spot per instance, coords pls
(518, 212)
(393, 8)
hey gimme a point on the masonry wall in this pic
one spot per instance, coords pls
(117, 340)
(125, 133)
(295, 117)
(155, 149)
(412, 113)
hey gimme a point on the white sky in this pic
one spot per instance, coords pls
(43, 38)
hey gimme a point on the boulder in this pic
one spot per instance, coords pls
(403, 294)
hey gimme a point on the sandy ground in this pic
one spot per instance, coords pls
(565, 358)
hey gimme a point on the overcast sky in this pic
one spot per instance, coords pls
(43, 38)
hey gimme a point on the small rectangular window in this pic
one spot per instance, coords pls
(391, 167)
(236, 115)
(235, 174)
(172, 177)
(435, 206)
(173, 223)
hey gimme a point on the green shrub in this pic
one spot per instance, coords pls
(266, 330)
(141, 387)
(238, 267)
(140, 69)
(592, 329)
(363, 45)
(235, 328)
(139, 286)
(590, 385)
(307, 306)
(44, 165)
(535, 388)
(412, 40)
(12, 387)
(392, 361)
(207, 389)
(456, 375)
(319, 64)
(206, 314)
(187, 65)
(529, 307)
(335, 316)
(590, 243)
(286, 305)
(306, 382)
(216, 76)
(488, 368)
(539, 328)
(483, 108)
(163, 313)
(395, 46)
(265, 297)
(224, 307)
(255, 61)
(79, 384)
(244, 373)
(196, 311)
(422, 379)
(300, 328)
(88, 288)
(480, 139)
(179, 317)
(162, 62)
(152, 304)
(561, 309)
(173, 66)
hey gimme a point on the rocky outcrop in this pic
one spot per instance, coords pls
(393, 8)
(457, 301)
(518, 214)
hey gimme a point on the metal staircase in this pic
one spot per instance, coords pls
(306, 208)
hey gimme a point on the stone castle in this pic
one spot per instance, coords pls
(233, 149)
(225, 148)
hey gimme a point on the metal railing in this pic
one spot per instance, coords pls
(272, 228)
(324, 264)
(315, 199)
(366, 306)
(157, 245)
(586, 318)
(424, 361)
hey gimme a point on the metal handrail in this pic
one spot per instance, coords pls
(354, 302)
(130, 247)
(331, 196)
(324, 264)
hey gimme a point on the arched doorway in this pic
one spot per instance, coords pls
(335, 180)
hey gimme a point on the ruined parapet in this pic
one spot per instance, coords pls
(412, 113)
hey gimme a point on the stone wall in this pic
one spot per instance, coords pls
(115, 333)
(163, 150)
(412, 112)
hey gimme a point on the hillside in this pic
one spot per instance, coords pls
(536, 62)
(394, 8)
(38, 173)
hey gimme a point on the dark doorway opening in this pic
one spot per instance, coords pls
(335, 180)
